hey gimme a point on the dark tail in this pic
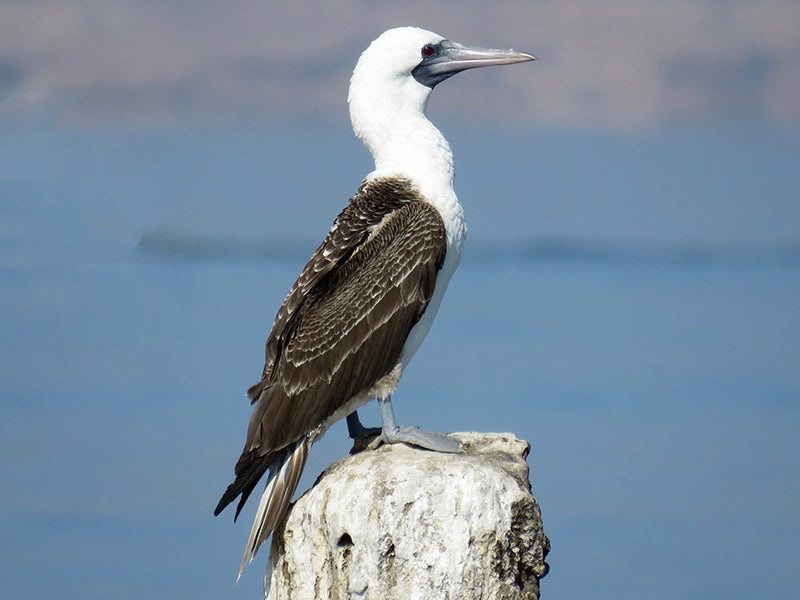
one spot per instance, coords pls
(249, 469)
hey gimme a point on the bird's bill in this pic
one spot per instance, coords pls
(453, 58)
(458, 58)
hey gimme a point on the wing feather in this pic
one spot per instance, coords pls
(364, 306)
(342, 326)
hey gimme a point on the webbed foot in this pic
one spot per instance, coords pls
(356, 430)
(392, 433)
(362, 436)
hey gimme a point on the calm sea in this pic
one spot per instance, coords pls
(628, 304)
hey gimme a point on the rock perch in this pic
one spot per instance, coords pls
(405, 523)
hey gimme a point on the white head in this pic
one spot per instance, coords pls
(389, 92)
(382, 88)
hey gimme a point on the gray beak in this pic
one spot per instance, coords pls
(449, 58)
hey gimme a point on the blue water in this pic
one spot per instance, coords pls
(644, 337)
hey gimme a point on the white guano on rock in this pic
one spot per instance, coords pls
(405, 523)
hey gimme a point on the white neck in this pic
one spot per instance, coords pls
(387, 110)
(388, 116)
(415, 148)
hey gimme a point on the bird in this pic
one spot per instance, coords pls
(367, 297)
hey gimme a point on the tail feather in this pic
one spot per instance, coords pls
(284, 475)
(248, 471)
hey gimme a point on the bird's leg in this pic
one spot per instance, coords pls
(393, 433)
(356, 430)
(362, 436)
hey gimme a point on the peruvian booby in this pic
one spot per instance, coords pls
(367, 297)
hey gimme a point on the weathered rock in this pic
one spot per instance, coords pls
(404, 523)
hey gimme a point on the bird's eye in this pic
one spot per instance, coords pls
(428, 50)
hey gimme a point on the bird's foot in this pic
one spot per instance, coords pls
(356, 430)
(362, 436)
(430, 440)
(392, 433)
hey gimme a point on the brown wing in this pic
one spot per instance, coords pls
(359, 296)
(350, 327)
(349, 231)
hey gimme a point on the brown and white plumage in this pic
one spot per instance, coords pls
(360, 294)
(364, 302)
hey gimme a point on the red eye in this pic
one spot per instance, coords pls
(428, 50)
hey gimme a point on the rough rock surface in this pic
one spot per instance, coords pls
(405, 523)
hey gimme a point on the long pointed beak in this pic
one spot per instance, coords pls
(459, 58)
(452, 58)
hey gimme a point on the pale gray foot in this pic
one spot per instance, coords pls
(393, 433)
(356, 430)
